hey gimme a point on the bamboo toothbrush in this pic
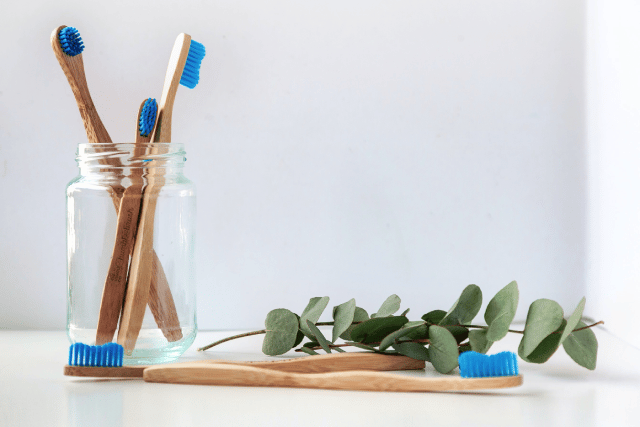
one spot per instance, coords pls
(160, 298)
(128, 214)
(68, 47)
(184, 67)
(80, 355)
(479, 372)
(249, 376)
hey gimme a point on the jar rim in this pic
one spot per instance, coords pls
(125, 154)
(125, 144)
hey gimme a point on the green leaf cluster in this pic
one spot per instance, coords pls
(440, 336)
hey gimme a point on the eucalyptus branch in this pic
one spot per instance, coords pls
(440, 336)
(247, 334)
(262, 331)
(486, 327)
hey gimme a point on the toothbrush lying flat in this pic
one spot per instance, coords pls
(68, 46)
(321, 363)
(184, 66)
(249, 376)
(478, 371)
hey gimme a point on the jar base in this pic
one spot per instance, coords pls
(151, 347)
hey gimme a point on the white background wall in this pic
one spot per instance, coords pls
(613, 129)
(349, 149)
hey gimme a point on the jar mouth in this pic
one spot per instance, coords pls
(130, 154)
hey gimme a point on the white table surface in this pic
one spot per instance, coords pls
(33, 392)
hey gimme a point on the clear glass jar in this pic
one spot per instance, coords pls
(130, 276)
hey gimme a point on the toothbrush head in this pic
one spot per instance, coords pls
(70, 41)
(478, 365)
(191, 72)
(110, 354)
(148, 117)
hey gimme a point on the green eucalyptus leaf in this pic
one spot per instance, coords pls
(544, 317)
(388, 307)
(374, 330)
(545, 349)
(500, 311)
(443, 349)
(459, 333)
(312, 312)
(311, 344)
(434, 317)
(412, 323)
(413, 350)
(421, 332)
(392, 337)
(342, 318)
(339, 350)
(465, 308)
(478, 340)
(308, 351)
(582, 347)
(300, 336)
(573, 320)
(360, 315)
(404, 313)
(282, 329)
(324, 343)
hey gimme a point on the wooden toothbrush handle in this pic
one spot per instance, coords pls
(335, 362)
(116, 280)
(249, 376)
(140, 272)
(305, 364)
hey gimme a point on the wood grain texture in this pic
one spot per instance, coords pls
(250, 376)
(140, 271)
(307, 364)
(162, 304)
(179, 55)
(161, 300)
(73, 68)
(337, 363)
(116, 281)
(104, 372)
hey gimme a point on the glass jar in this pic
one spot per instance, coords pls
(130, 250)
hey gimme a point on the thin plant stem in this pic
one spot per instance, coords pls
(369, 344)
(522, 332)
(247, 334)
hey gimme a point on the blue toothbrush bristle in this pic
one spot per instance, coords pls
(148, 117)
(478, 365)
(70, 41)
(191, 73)
(106, 355)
